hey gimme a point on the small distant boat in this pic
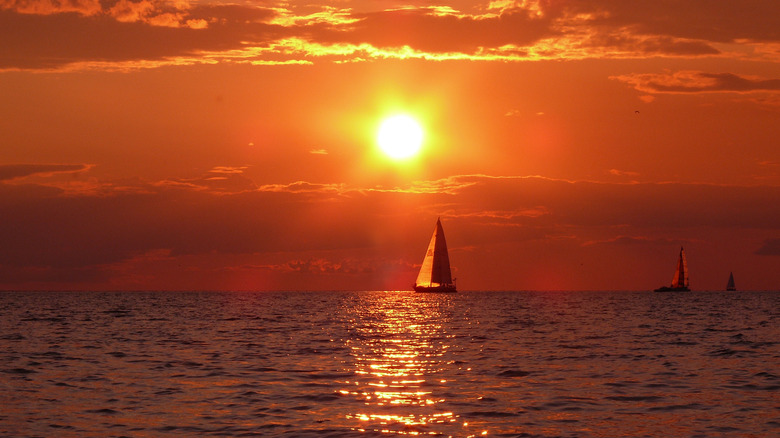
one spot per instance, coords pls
(730, 285)
(435, 274)
(680, 279)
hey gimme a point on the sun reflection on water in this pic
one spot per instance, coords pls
(398, 343)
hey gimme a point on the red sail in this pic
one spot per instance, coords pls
(681, 273)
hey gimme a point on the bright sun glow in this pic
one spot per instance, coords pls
(400, 136)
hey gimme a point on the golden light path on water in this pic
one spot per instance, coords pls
(398, 348)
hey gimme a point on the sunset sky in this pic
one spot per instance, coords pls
(232, 145)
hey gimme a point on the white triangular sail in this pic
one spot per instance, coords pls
(435, 270)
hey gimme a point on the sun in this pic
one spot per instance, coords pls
(400, 136)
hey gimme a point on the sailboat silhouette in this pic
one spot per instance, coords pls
(730, 286)
(435, 274)
(680, 279)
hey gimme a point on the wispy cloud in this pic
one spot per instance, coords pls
(617, 172)
(698, 82)
(228, 170)
(13, 171)
(630, 240)
(508, 215)
(220, 179)
(771, 247)
(325, 266)
(303, 187)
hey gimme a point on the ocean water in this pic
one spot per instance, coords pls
(339, 364)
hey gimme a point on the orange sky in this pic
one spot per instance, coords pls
(216, 145)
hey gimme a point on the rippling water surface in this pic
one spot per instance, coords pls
(599, 364)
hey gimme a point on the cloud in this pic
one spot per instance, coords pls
(449, 185)
(323, 266)
(698, 82)
(623, 43)
(506, 215)
(33, 41)
(617, 172)
(630, 240)
(430, 30)
(717, 20)
(48, 7)
(220, 179)
(771, 247)
(83, 34)
(769, 102)
(304, 187)
(13, 171)
(47, 232)
(228, 170)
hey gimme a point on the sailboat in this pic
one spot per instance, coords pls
(435, 274)
(680, 279)
(730, 285)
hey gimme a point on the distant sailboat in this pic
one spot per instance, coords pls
(730, 286)
(435, 274)
(680, 279)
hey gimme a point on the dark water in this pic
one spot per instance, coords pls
(599, 364)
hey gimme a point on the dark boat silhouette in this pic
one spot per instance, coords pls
(730, 286)
(680, 279)
(435, 274)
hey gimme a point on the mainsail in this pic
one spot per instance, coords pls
(731, 285)
(435, 271)
(680, 279)
(681, 273)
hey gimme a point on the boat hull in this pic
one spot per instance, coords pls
(447, 288)
(672, 289)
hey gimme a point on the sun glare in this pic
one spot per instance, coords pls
(400, 136)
